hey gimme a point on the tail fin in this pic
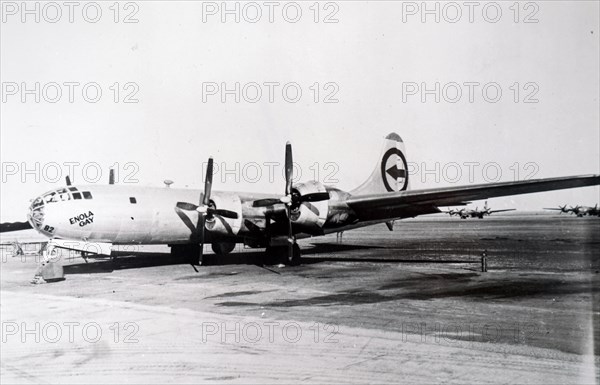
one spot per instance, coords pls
(391, 170)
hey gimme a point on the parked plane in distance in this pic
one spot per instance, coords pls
(466, 213)
(562, 209)
(96, 218)
(580, 211)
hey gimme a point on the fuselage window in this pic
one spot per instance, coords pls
(73, 188)
(76, 195)
(132, 200)
(86, 195)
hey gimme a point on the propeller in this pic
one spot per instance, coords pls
(205, 209)
(111, 176)
(292, 198)
(68, 180)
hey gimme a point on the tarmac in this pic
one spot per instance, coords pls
(406, 306)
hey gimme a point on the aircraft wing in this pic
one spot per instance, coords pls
(500, 211)
(406, 204)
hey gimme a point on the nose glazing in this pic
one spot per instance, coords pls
(36, 213)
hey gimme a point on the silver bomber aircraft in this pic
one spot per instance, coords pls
(470, 213)
(100, 217)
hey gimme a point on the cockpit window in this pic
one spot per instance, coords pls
(62, 195)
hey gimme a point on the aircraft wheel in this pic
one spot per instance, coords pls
(223, 248)
(189, 252)
(273, 255)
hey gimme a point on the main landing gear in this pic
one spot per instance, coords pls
(279, 254)
(274, 255)
(190, 252)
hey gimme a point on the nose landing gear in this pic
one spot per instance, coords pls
(50, 269)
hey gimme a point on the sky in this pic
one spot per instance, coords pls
(517, 91)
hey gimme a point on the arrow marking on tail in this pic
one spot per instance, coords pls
(390, 175)
(395, 172)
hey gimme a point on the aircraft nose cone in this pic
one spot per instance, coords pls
(36, 213)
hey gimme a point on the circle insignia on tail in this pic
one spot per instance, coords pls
(394, 173)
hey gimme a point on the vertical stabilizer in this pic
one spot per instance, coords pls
(391, 169)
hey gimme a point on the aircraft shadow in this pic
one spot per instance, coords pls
(313, 254)
(318, 253)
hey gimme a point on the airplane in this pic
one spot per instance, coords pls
(96, 218)
(453, 212)
(579, 211)
(465, 213)
(562, 209)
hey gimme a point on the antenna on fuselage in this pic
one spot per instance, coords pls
(68, 180)
(111, 176)
(168, 182)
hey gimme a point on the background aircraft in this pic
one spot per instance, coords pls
(95, 218)
(562, 209)
(466, 213)
(580, 211)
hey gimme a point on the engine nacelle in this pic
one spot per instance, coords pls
(310, 214)
(225, 226)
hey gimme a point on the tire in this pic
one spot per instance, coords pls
(223, 248)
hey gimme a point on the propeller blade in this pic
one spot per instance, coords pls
(266, 202)
(14, 226)
(222, 212)
(291, 238)
(253, 227)
(111, 176)
(315, 197)
(289, 168)
(197, 260)
(208, 182)
(68, 180)
(186, 206)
